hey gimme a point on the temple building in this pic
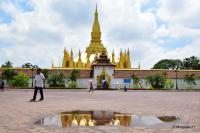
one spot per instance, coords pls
(93, 52)
(96, 60)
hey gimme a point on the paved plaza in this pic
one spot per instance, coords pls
(18, 116)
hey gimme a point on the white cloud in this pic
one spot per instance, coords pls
(40, 35)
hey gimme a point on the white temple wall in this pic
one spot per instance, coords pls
(84, 82)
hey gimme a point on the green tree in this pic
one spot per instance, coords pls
(190, 80)
(191, 63)
(71, 79)
(46, 73)
(73, 75)
(136, 81)
(168, 64)
(27, 65)
(56, 80)
(157, 81)
(20, 80)
(8, 75)
(7, 64)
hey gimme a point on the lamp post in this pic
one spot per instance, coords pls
(176, 78)
(32, 68)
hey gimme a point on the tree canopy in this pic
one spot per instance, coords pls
(191, 63)
(27, 65)
(169, 64)
(7, 64)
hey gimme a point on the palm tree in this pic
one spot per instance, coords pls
(191, 63)
(7, 64)
(27, 65)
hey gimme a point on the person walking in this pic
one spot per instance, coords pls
(39, 84)
(2, 85)
(91, 86)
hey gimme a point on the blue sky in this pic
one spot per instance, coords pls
(37, 31)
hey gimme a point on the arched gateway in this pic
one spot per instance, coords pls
(103, 70)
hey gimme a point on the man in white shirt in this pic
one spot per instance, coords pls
(39, 84)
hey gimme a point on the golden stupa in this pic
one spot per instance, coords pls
(92, 52)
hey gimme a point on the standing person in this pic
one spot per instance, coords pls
(91, 86)
(39, 84)
(125, 88)
(2, 85)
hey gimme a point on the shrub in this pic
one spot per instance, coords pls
(190, 80)
(137, 83)
(56, 80)
(157, 81)
(72, 84)
(73, 75)
(8, 75)
(169, 84)
(46, 73)
(21, 80)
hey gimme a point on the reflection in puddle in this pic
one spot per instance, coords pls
(95, 118)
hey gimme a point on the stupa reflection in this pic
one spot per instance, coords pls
(96, 118)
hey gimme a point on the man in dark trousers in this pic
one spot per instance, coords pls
(2, 85)
(91, 86)
(39, 84)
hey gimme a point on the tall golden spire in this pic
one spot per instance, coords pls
(96, 26)
(95, 46)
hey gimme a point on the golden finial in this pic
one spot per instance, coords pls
(96, 8)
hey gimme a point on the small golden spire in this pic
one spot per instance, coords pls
(121, 60)
(52, 64)
(71, 54)
(113, 57)
(71, 60)
(120, 52)
(139, 65)
(128, 60)
(65, 51)
(79, 64)
(79, 54)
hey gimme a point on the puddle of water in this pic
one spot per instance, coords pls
(96, 118)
